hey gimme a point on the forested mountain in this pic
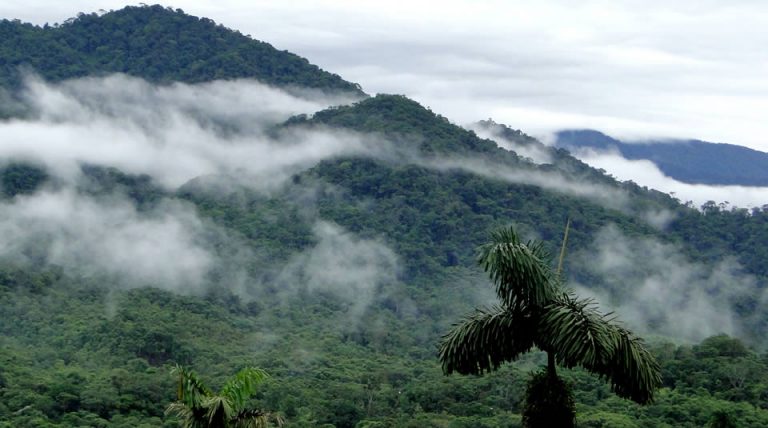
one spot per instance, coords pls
(337, 274)
(156, 43)
(689, 161)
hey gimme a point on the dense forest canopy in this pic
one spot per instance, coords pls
(339, 277)
(159, 44)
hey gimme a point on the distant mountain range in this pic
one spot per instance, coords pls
(689, 161)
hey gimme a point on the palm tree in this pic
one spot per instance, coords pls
(198, 407)
(536, 311)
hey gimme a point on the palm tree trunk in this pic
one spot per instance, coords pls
(551, 369)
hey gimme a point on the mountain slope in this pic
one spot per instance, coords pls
(157, 44)
(689, 161)
(104, 363)
(339, 281)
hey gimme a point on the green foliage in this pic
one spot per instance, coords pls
(716, 232)
(407, 124)
(107, 181)
(196, 406)
(536, 311)
(77, 350)
(156, 43)
(21, 178)
(721, 419)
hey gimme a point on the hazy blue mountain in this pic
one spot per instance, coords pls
(689, 161)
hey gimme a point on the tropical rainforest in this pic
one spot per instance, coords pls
(326, 237)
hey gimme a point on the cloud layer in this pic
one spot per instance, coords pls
(656, 289)
(179, 132)
(108, 238)
(173, 133)
(218, 132)
(645, 173)
(352, 269)
(682, 69)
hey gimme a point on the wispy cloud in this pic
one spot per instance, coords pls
(654, 287)
(217, 138)
(173, 133)
(537, 153)
(353, 270)
(108, 238)
(646, 173)
(604, 195)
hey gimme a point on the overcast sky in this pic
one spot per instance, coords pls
(689, 69)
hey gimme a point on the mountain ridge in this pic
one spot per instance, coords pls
(156, 43)
(689, 161)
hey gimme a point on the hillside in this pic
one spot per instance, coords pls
(689, 161)
(331, 246)
(155, 43)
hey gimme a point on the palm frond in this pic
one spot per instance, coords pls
(582, 336)
(219, 411)
(256, 419)
(188, 417)
(632, 370)
(486, 339)
(575, 329)
(240, 387)
(519, 270)
(191, 390)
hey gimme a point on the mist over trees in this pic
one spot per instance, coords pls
(326, 238)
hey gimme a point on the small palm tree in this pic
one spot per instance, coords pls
(196, 406)
(536, 311)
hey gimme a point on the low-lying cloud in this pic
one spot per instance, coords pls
(173, 133)
(646, 173)
(554, 181)
(176, 133)
(352, 269)
(179, 132)
(653, 287)
(537, 153)
(164, 248)
(223, 130)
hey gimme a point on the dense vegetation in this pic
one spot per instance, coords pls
(66, 361)
(156, 43)
(81, 348)
(535, 310)
(689, 161)
(77, 351)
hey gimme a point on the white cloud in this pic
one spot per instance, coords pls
(682, 69)
(537, 153)
(217, 132)
(653, 287)
(554, 181)
(173, 133)
(352, 269)
(163, 248)
(645, 173)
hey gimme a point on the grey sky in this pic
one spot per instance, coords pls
(690, 69)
